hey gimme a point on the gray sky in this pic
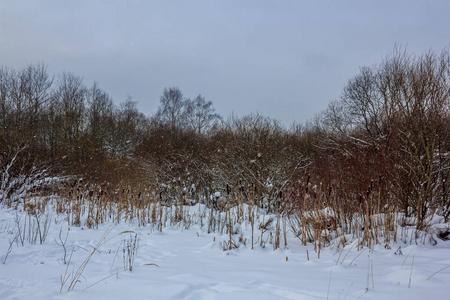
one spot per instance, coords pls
(284, 59)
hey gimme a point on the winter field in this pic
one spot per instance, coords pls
(193, 252)
(99, 200)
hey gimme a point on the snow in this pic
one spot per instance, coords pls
(189, 263)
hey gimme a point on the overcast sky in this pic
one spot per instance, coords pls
(283, 59)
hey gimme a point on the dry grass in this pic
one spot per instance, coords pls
(317, 219)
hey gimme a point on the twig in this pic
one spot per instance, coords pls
(347, 253)
(348, 291)
(340, 256)
(438, 271)
(66, 277)
(410, 273)
(356, 257)
(329, 283)
(103, 279)
(151, 265)
(10, 247)
(405, 259)
(62, 243)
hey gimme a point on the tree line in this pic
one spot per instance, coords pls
(388, 134)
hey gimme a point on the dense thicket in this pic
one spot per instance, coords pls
(391, 126)
(387, 136)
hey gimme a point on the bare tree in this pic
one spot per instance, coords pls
(71, 94)
(5, 103)
(363, 103)
(201, 115)
(391, 119)
(172, 109)
(37, 92)
(100, 112)
(416, 94)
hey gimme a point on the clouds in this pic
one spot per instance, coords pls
(274, 57)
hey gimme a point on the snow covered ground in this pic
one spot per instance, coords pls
(191, 264)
